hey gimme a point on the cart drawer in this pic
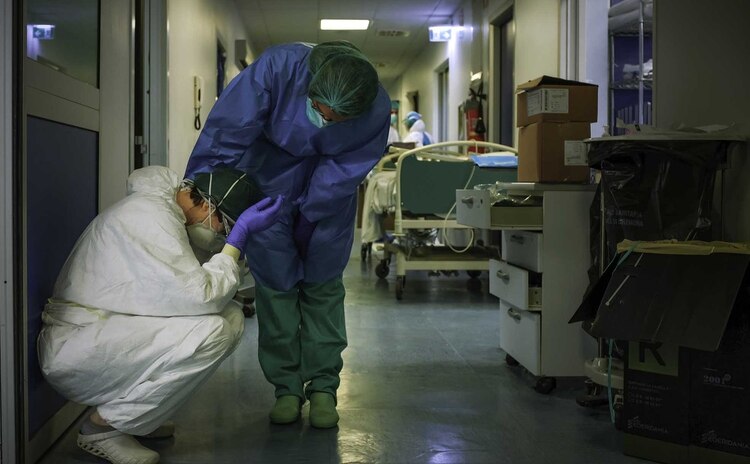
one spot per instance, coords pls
(520, 336)
(511, 284)
(523, 248)
(473, 208)
(516, 217)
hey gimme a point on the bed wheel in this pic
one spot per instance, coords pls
(382, 270)
(400, 284)
(474, 274)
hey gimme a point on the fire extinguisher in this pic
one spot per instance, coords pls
(474, 118)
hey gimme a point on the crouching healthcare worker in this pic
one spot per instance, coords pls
(307, 122)
(135, 323)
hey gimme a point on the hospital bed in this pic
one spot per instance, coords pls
(425, 181)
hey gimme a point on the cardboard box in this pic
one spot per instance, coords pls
(656, 401)
(541, 152)
(699, 455)
(700, 303)
(720, 388)
(551, 99)
(656, 450)
(719, 403)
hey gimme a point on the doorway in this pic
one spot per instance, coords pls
(443, 112)
(76, 135)
(503, 47)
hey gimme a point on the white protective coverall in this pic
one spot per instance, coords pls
(417, 134)
(136, 323)
(380, 198)
(393, 135)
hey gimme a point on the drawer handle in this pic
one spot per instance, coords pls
(504, 276)
(468, 201)
(519, 239)
(513, 314)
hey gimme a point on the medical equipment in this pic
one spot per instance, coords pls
(426, 180)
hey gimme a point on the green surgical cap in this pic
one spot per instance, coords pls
(321, 52)
(342, 78)
(230, 190)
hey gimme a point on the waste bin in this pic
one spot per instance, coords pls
(655, 189)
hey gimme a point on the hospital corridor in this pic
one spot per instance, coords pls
(374, 232)
(424, 382)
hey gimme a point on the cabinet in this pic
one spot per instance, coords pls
(543, 274)
(630, 63)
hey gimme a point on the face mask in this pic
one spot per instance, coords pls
(315, 118)
(204, 237)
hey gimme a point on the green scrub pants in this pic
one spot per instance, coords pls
(301, 334)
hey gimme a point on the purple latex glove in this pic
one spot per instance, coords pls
(303, 230)
(256, 218)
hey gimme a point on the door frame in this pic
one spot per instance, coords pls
(9, 328)
(502, 15)
(107, 110)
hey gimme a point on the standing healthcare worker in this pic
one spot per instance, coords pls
(307, 122)
(417, 132)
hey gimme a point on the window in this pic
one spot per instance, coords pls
(65, 37)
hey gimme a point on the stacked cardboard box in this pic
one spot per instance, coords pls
(552, 113)
(687, 390)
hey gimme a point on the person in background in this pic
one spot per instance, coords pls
(417, 133)
(393, 135)
(135, 323)
(307, 122)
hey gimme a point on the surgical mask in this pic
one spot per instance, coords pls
(204, 237)
(314, 116)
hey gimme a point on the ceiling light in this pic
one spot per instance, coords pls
(344, 24)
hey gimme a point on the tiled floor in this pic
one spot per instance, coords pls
(424, 381)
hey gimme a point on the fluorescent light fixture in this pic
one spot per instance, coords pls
(344, 24)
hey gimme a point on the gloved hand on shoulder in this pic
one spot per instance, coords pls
(256, 218)
(303, 230)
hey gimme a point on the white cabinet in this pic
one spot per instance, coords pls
(543, 275)
(521, 336)
(523, 248)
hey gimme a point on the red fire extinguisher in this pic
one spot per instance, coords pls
(474, 118)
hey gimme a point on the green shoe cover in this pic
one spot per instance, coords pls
(323, 413)
(286, 410)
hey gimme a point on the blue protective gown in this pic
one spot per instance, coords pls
(259, 125)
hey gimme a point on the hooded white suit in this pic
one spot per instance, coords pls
(417, 134)
(136, 323)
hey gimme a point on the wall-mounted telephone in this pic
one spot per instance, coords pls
(197, 99)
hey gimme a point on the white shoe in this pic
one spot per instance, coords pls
(165, 430)
(117, 448)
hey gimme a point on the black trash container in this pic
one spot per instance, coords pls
(655, 189)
